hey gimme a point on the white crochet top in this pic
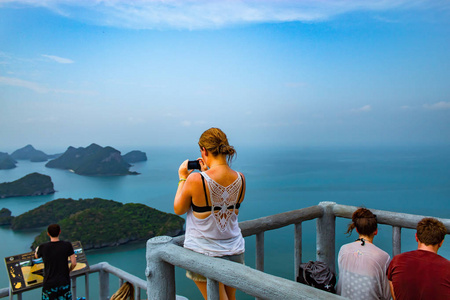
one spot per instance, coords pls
(219, 233)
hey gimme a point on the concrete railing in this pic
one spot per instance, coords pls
(163, 253)
(104, 270)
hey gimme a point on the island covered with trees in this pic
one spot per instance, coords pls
(99, 223)
(33, 184)
(93, 160)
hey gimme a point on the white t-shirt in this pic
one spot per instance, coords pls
(362, 272)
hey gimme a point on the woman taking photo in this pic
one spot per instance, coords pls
(212, 199)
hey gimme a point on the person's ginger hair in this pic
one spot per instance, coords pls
(125, 292)
(216, 142)
(364, 221)
(431, 231)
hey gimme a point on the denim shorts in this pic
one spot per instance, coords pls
(238, 258)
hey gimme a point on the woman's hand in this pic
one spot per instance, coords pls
(183, 171)
(203, 166)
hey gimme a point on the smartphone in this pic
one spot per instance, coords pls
(194, 165)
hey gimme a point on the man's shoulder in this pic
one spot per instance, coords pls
(43, 245)
(67, 244)
(422, 255)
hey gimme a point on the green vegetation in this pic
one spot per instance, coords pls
(100, 223)
(93, 160)
(6, 161)
(33, 184)
(5, 216)
(57, 210)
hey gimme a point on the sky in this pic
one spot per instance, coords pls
(269, 73)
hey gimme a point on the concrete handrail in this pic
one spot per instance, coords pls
(246, 279)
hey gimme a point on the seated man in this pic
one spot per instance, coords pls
(422, 273)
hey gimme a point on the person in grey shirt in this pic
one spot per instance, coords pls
(362, 265)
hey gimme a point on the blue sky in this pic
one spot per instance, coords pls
(280, 73)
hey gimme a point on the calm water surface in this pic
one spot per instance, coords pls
(403, 180)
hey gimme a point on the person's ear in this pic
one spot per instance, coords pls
(417, 240)
(376, 232)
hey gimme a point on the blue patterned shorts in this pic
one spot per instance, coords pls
(57, 293)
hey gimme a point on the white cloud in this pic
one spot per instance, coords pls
(365, 108)
(186, 123)
(437, 106)
(23, 83)
(58, 59)
(200, 14)
(38, 88)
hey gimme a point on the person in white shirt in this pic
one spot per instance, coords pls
(212, 199)
(362, 265)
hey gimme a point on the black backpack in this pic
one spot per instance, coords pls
(317, 274)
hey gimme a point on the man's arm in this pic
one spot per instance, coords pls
(73, 262)
(36, 252)
(392, 289)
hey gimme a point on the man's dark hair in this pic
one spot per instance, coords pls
(431, 231)
(53, 230)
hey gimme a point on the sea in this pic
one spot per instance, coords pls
(413, 180)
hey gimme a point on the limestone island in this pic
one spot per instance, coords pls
(6, 161)
(99, 223)
(135, 156)
(93, 160)
(33, 184)
(30, 153)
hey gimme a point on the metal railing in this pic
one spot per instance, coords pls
(164, 253)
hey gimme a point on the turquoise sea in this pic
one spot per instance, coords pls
(411, 180)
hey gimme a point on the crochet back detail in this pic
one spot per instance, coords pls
(223, 197)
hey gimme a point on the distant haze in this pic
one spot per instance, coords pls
(279, 73)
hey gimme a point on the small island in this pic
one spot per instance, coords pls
(99, 223)
(135, 156)
(33, 184)
(30, 153)
(6, 161)
(93, 160)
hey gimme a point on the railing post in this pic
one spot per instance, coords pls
(396, 240)
(137, 293)
(326, 228)
(86, 285)
(297, 248)
(260, 251)
(103, 277)
(212, 288)
(160, 275)
(74, 287)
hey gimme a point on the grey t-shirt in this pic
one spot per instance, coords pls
(362, 272)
